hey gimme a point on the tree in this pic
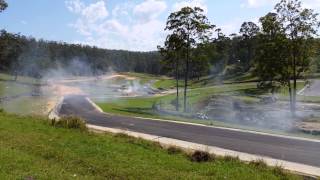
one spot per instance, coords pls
(194, 28)
(3, 5)
(271, 54)
(222, 46)
(199, 62)
(249, 30)
(171, 53)
(300, 26)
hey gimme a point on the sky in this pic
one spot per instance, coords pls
(136, 25)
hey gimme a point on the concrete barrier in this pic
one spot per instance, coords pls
(54, 113)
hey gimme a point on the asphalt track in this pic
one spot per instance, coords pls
(288, 149)
(313, 90)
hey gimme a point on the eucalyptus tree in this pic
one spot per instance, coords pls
(300, 26)
(194, 28)
(249, 30)
(172, 53)
(271, 59)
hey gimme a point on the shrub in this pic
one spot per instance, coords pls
(278, 170)
(174, 150)
(231, 159)
(200, 156)
(70, 122)
(259, 163)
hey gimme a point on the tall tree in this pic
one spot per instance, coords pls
(222, 46)
(194, 28)
(249, 30)
(172, 53)
(271, 55)
(300, 26)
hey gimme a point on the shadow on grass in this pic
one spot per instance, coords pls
(142, 111)
(254, 92)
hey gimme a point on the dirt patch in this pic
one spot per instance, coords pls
(310, 127)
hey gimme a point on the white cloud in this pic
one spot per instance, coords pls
(122, 9)
(149, 10)
(23, 22)
(235, 25)
(130, 26)
(257, 3)
(191, 3)
(81, 27)
(312, 4)
(96, 11)
(113, 26)
(75, 6)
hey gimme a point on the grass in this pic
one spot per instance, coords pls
(32, 149)
(142, 106)
(12, 89)
(20, 79)
(26, 106)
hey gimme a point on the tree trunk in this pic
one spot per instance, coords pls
(290, 93)
(177, 86)
(186, 86)
(186, 81)
(294, 93)
(15, 76)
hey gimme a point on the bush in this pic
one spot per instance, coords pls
(259, 163)
(278, 170)
(174, 150)
(231, 159)
(200, 156)
(70, 122)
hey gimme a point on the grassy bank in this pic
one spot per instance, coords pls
(32, 149)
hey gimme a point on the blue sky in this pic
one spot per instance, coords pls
(122, 24)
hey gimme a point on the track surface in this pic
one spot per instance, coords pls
(313, 90)
(300, 151)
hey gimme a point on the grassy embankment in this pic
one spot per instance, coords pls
(30, 148)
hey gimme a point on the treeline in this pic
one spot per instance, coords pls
(27, 56)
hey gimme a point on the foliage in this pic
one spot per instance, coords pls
(70, 122)
(3, 5)
(286, 45)
(249, 31)
(200, 156)
(271, 60)
(28, 56)
(191, 28)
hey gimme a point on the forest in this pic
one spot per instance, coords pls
(27, 56)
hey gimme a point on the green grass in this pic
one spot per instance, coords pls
(165, 84)
(20, 79)
(32, 149)
(11, 88)
(143, 105)
(26, 106)
(23, 104)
